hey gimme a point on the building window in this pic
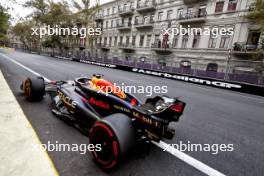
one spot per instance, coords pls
(169, 15)
(108, 11)
(131, 5)
(212, 41)
(175, 41)
(202, 11)
(232, 5)
(253, 38)
(105, 41)
(224, 41)
(219, 6)
(117, 22)
(148, 40)
(196, 40)
(179, 13)
(141, 41)
(145, 19)
(110, 41)
(127, 40)
(115, 42)
(151, 19)
(113, 10)
(106, 24)
(112, 23)
(189, 12)
(185, 41)
(213, 67)
(160, 16)
(136, 19)
(121, 40)
(134, 40)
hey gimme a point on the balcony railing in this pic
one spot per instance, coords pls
(193, 17)
(129, 46)
(144, 23)
(126, 11)
(98, 17)
(192, 1)
(123, 26)
(146, 7)
(102, 46)
(159, 46)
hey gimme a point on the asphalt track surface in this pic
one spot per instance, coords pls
(212, 116)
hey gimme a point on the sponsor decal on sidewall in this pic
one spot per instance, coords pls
(99, 103)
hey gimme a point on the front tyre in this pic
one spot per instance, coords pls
(34, 89)
(116, 136)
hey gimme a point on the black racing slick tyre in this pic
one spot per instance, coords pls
(34, 89)
(116, 136)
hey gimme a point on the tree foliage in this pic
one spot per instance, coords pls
(257, 14)
(23, 30)
(4, 24)
(54, 13)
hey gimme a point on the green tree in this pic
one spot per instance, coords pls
(257, 14)
(23, 30)
(51, 13)
(4, 23)
(84, 16)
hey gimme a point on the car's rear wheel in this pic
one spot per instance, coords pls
(116, 136)
(34, 88)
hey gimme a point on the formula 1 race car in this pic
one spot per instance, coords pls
(116, 120)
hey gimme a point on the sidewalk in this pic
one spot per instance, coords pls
(19, 155)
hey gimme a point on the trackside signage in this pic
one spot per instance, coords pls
(99, 64)
(239, 87)
(189, 79)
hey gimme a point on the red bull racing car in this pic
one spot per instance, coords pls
(116, 120)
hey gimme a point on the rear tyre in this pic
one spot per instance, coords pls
(116, 136)
(34, 89)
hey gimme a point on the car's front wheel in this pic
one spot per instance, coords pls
(34, 88)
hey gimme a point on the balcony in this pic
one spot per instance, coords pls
(245, 49)
(142, 24)
(126, 46)
(98, 17)
(124, 26)
(102, 46)
(194, 17)
(126, 11)
(146, 7)
(161, 48)
(192, 1)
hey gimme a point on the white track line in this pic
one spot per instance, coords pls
(188, 159)
(23, 66)
(182, 156)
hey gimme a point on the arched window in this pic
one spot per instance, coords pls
(212, 67)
